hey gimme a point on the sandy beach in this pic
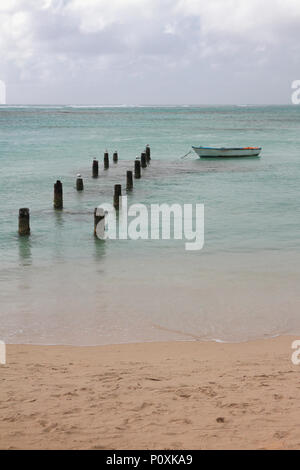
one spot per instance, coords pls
(177, 395)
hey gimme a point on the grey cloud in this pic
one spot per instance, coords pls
(178, 53)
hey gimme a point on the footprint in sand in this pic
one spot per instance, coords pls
(50, 428)
(280, 435)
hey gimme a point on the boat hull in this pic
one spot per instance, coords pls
(210, 152)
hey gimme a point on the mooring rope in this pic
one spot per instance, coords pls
(184, 156)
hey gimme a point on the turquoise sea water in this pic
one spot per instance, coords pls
(61, 286)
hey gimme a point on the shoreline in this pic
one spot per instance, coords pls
(192, 340)
(164, 395)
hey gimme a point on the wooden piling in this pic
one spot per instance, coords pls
(148, 153)
(58, 195)
(117, 195)
(137, 169)
(95, 168)
(129, 181)
(143, 160)
(115, 157)
(24, 222)
(106, 161)
(79, 183)
(99, 218)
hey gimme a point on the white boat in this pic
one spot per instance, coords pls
(227, 152)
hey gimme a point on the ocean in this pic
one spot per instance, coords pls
(63, 286)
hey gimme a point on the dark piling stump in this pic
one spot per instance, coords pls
(129, 181)
(117, 195)
(148, 153)
(115, 157)
(137, 169)
(58, 195)
(143, 160)
(106, 161)
(95, 168)
(24, 222)
(79, 183)
(99, 218)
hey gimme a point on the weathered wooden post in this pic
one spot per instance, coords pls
(129, 181)
(106, 161)
(148, 153)
(99, 218)
(117, 195)
(24, 222)
(79, 183)
(143, 160)
(115, 157)
(95, 168)
(137, 169)
(58, 195)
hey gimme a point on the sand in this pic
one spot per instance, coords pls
(177, 395)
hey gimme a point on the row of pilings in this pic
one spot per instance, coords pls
(58, 204)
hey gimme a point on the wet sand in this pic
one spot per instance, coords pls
(176, 395)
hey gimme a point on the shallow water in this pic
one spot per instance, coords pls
(61, 286)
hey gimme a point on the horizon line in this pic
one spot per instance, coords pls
(144, 105)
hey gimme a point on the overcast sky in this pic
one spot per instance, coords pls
(149, 51)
